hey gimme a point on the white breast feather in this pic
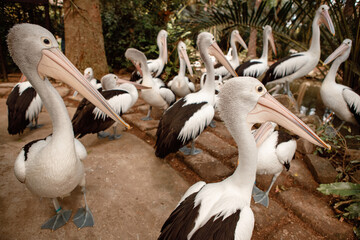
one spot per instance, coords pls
(80, 149)
(20, 163)
(268, 162)
(352, 99)
(197, 123)
(34, 108)
(120, 103)
(286, 151)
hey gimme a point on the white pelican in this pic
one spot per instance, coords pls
(190, 115)
(222, 210)
(90, 119)
(156, 66)
(339, 98)
(234, 61)
(276, 151)
(52, 167)
(256, 67)
(180, 84)
(24, 106)
(158, 95)
(89, 75)
(299, 64)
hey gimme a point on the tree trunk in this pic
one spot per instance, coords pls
(84, 40)
(252, 40)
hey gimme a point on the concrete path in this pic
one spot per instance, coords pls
(130, 191)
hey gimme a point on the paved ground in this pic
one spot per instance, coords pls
(131, 193)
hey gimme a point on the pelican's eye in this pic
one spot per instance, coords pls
(46, 41)
(259, 89)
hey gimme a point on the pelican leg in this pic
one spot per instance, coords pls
(36, 124)
(103, 134)
(263, 198)
(83, 217)
(147, 118)
(59, 220)
(287, 89)
(212, 123)
(114, 136)
(190, 151)
(341, 125)
(256, 190)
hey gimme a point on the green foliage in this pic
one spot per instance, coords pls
(291, 22)
(134, 24)
(340, 188)
(12, 13)
(347, 203)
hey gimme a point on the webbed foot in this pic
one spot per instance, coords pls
(57, 221)
(83, 218)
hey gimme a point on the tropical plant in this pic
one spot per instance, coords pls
(134, 24)
(291, 23)
(347, 201)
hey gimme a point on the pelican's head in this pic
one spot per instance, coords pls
(183, 55)
(268, 34)
(162, 43)
(88, 73)
(235, 35)
(246, 99)
(207, 45)
(342, 52)
(37, 54)
(323, 11)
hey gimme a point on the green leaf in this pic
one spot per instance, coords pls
(340, 188)
(354, 210)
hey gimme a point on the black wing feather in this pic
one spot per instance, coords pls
(83, 120)
(240, 69)
(219, 229)
(270, 76)
(170, 126)
(17, 106)
(181, 221)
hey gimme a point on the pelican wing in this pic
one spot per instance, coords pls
(18, 102)
(353, 102)
(167, 95)
(285, 67)
(181, 220)
(249, 68)
(176, 119)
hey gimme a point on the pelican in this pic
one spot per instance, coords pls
(89, 75)
(90, 119)
(156, 66)
(299, 64)
(256, 67)
(159, 95)
(181, 85)
(52, 167)
(190, 115)
(234, 61)
(24, 106)
(339, 98)
(222, 210)
(275, 152)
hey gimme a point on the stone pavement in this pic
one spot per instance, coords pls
(296, 211)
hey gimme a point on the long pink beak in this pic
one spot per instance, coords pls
(215, 50)
(340, 50)
(268, 109)
(326, 19)
(54, 64)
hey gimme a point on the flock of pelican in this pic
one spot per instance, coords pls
(52, 167)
